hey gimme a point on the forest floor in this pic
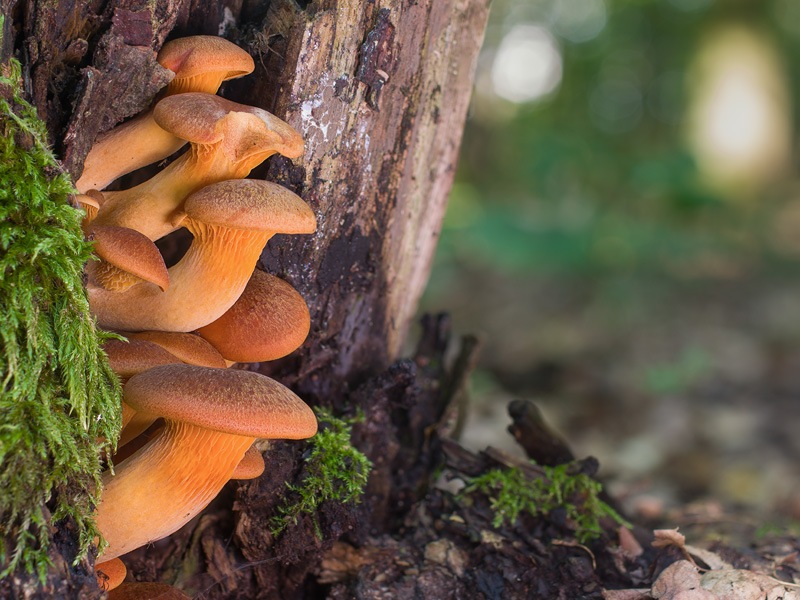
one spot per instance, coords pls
(686, 392)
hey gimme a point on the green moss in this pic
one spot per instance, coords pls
(334, 471)
(510, 493)
(58, 394)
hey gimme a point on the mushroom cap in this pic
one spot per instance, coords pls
(90, 200)
(187, 347)
(268, 321)
(205, 119)
(111, 573)
(251, 465)
(130, 251)
(134, 356)
(200, 54)
(230, 401)
(146, 591)
(253, 205)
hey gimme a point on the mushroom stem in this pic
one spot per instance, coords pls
(151, 207)
(125, 148)
(141, 503)
(201, 64)
(203, 285)
(227, 141)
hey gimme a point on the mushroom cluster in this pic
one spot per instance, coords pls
(189, 421)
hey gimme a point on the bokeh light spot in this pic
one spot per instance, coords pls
(527, 64)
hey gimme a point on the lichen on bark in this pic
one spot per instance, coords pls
(59, 398)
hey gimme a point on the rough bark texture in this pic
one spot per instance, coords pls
(379, 90)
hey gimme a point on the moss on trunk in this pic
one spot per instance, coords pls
(59, 398)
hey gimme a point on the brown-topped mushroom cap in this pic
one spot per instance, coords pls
(189, 348)
(251, 465)
(236, 402)
(110, 574)
(202, 62)
(251, 204)
(205, 119)
(129, 258)
(268, 321)
(211, 418)
(127, 358)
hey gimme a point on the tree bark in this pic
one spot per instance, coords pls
(379, 90)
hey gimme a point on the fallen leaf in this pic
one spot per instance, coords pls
(678, 577)
(664, 538)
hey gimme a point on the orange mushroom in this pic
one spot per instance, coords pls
(251, 465)
(212, 416)
(231, 222)
(126, 259)
(200, 63)
(110, 574)
(268, 321)
(149, 349)
(189, 348)
(90, 202)
(227, 141)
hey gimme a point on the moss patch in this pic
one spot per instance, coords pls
(58, 394)
(510, 493)
(334, 471)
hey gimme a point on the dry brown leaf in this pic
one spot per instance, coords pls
(712, 559)
(678, 577)
(664, 538)
(740, 584)
(698, 594)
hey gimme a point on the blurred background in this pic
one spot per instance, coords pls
(624, 237)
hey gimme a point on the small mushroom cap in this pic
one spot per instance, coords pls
(134, 356)
(146, 591)
(206, 119)
(230, 401)
(88, 200)
(189, 348)
(268, 321)
(251, 204)
(111, 573)
(130, 251)
(201, 54)
(251, 465)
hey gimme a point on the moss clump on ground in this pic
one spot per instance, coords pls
(510, 493)
(334, 470)
(58, 394)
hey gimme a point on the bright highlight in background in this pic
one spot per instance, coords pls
(579, 20)
(527, 64)
(739, 124)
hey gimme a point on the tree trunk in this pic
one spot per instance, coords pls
(379, 90)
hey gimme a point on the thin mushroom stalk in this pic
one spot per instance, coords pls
(200, 63)
(231, 222)
(227, 141)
